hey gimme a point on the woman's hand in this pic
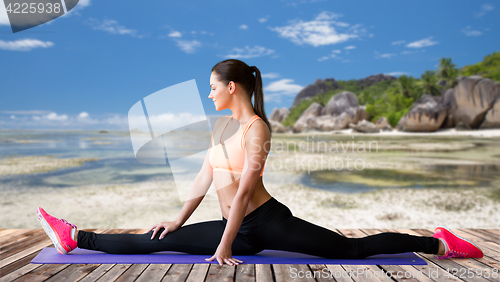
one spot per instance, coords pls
(169, 227)
(223, 255)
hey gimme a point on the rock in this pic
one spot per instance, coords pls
(365, 126)
(462, 126)
(342, 102)
(473, 98)
(103, 131)
(284, 112)
(449, 103)
(313, 111)
(277, 127)
(279, 115)
(383, 124)
(492, 118)
(275, 115)
(330, 84)
(313, 90)
(329, 123)
(426, 114)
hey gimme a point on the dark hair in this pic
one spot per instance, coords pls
(239, 72)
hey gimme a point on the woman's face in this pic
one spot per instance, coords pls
(219, 92)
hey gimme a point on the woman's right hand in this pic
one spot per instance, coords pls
(168, 226)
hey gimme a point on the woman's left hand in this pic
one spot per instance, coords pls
(223, 255)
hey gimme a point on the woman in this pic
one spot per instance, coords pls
(252, 219)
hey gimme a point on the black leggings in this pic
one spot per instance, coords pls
(270, 226)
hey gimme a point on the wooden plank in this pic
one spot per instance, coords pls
(132, 273)
(18, 264)
(21, 254)
(177, 272)
(292, 272)
(10, 233)
(22, 244)
(97, 273)
(154, 272)
(486, 237)
(198, 272)
(321, 272)
(245, 272)
(18, 272)
(74, 272)
(116, 271)
(491, 234)
(263, 273)
(42, 273)
(363, 273)
(13, 241)
(339, 273)
(494, 231)
(218, 272)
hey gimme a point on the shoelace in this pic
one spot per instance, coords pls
(64, 221)
(454, 254)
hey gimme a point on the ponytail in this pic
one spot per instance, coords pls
(258, 106)
(238, 71)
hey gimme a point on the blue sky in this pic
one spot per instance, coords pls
(89, 67)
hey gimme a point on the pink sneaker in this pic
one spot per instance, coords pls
(457, 247)
(59, 230)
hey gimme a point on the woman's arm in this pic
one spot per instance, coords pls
(257, 140)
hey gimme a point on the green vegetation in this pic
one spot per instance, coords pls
(393, 99)
(488, 68)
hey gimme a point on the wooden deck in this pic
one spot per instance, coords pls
(19, 246)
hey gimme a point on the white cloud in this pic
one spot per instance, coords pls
(112, 26)
(262, 20)
(24, 44)
(188, 46)
(333, 55)
(26, 112)
(385, 56)
(398, 42)
(485, 8)
(176, 34)
(244, 26)
(83, 115)
(470, 32)
(249, 52)
(12, 117)
(54, 116)
(270, 75)
(422, 43)
(396, 73)
(276, 90)
(350, 47)
(320, 31)
(283, 86)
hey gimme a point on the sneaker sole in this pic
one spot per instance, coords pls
(52, 234)
(440, 226)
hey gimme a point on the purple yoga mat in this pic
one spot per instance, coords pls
(50, 255)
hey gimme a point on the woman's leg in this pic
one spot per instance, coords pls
(289, 233)
(198, 238)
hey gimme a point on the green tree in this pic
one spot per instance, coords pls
(427, 83)
(448, 72)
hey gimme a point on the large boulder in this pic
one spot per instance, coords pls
(365, 126)
(426, 114)
(383, 124)
(275, 115)
(277, 127)
(492, 118)
(342, 102)
(313, 111)
(449, 102)
(472, 99)
(312, 90)
(329, 123)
